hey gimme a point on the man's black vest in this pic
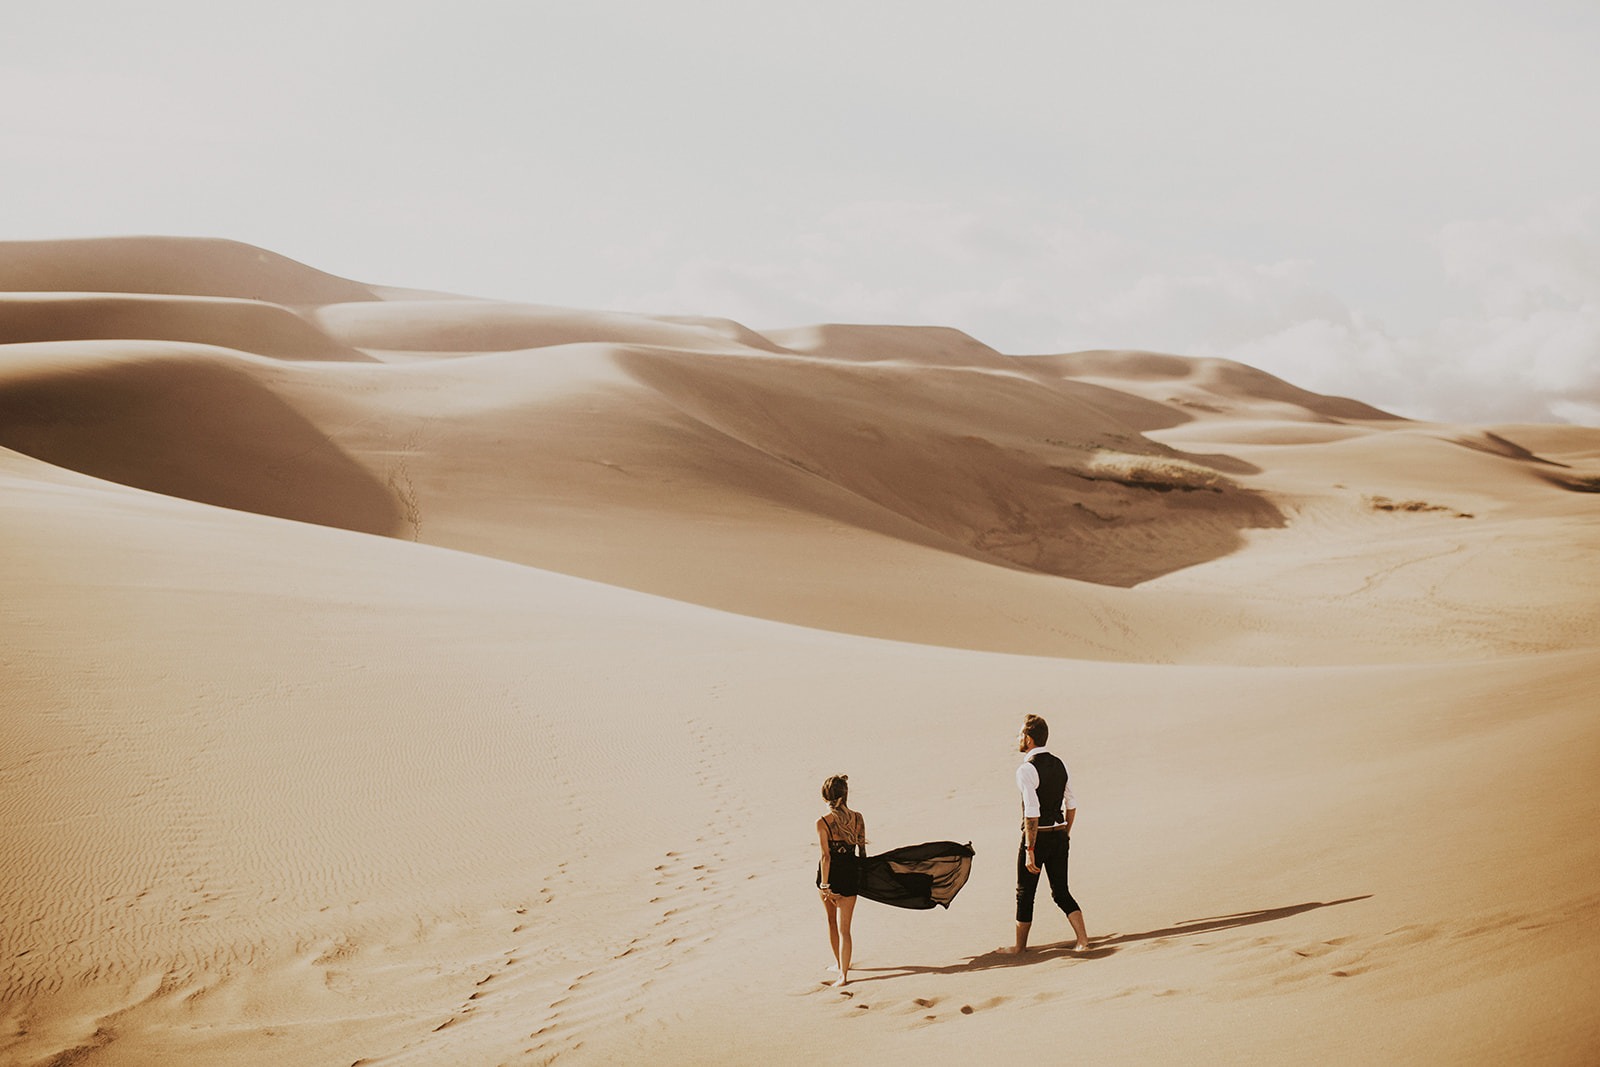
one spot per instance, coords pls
(1052, 787)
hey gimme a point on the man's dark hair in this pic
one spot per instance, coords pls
(1036, 728)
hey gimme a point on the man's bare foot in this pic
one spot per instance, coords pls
(1081, 946)
(1012, 950)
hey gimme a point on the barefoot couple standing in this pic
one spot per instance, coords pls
(923, 875)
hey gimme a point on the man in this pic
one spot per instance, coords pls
(1048, 808)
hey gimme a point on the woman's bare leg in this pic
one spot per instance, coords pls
(833, 929)
(847, 909)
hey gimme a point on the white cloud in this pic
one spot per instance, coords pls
(1530, 352)
(1551, 258)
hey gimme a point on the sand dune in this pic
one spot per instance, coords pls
(401, 678)
(188, 421)
(246, 325)
(180, 266)
(1210, 385)
(439, 326)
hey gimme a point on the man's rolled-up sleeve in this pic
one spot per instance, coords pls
(1028, 786)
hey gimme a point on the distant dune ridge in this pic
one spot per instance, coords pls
(401, 677)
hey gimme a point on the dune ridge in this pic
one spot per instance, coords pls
(177, 266)
(395, 677)
(247, 325)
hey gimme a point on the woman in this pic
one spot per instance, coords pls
(842, 834)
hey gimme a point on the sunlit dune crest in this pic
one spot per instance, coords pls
(395, 676)
(177, 266)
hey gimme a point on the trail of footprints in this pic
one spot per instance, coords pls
(614, 981)
(688, 895)
(923, 1011)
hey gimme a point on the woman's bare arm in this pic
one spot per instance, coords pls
(822, 839)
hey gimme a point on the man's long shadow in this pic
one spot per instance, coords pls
(1101, 947)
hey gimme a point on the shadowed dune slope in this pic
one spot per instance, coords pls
(1567, 444)
(1023, 471)
(186, 421)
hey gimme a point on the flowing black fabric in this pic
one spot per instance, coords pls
(916, 876)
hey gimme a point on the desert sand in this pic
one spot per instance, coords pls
(393, 677)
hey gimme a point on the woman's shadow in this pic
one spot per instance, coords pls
(1106, 944)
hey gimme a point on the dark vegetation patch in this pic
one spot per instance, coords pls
(1383, 503)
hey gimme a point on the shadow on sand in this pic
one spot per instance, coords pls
(1103, 946)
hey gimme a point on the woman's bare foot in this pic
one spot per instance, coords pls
(839, 981)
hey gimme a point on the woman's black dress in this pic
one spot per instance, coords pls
(844, 869)
(844, 866)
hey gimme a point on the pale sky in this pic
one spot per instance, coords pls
(1396, 200)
